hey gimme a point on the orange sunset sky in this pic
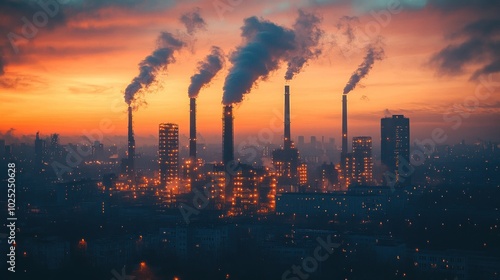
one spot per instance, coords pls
(72, 74)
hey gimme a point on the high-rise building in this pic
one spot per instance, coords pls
(328, 178)
(395, 145)
(218, 190)
(254, 190)
(98, 151)
(302, 171)
(168, 151)
(39, 153)
(363, 161)
(286, 163)
(187, 174)
(113, 150)
(348, 167)
(332, 142)
(301, 141)
(313, 142)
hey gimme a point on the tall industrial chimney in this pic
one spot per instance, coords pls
(287, 134)
(343, 155)
(227, 135)
(131, 147)
(192, 128)
(344, 124)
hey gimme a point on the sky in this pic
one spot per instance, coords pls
(440, 67)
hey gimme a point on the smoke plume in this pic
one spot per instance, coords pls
(193, 21)
(307, 37)
(374, 52)
(345, 24)
(265, 46)
(150, 66)
(207, 69)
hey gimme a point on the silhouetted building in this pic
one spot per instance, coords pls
(39, 153)
(301, 141)
(98, 151)
(218, 187)
(332, 142)
(302, 172)
(328, 176)
(286, 163)
(395, 144)
(313, 141)
(348, 168)
(253, 191)
(169, 155)
(55, 150)
(189, 170)
(113, 150)
(363, 161)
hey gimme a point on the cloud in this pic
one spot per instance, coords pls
(480, 47)
(89, 89)
(72, 51)
(483, 28)
(15, 13)
(21, 81)
(446, 5)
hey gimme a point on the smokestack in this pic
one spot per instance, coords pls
(344, 125)
(288, 138)
(131, 147)
(192, 128)
(227, 135)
